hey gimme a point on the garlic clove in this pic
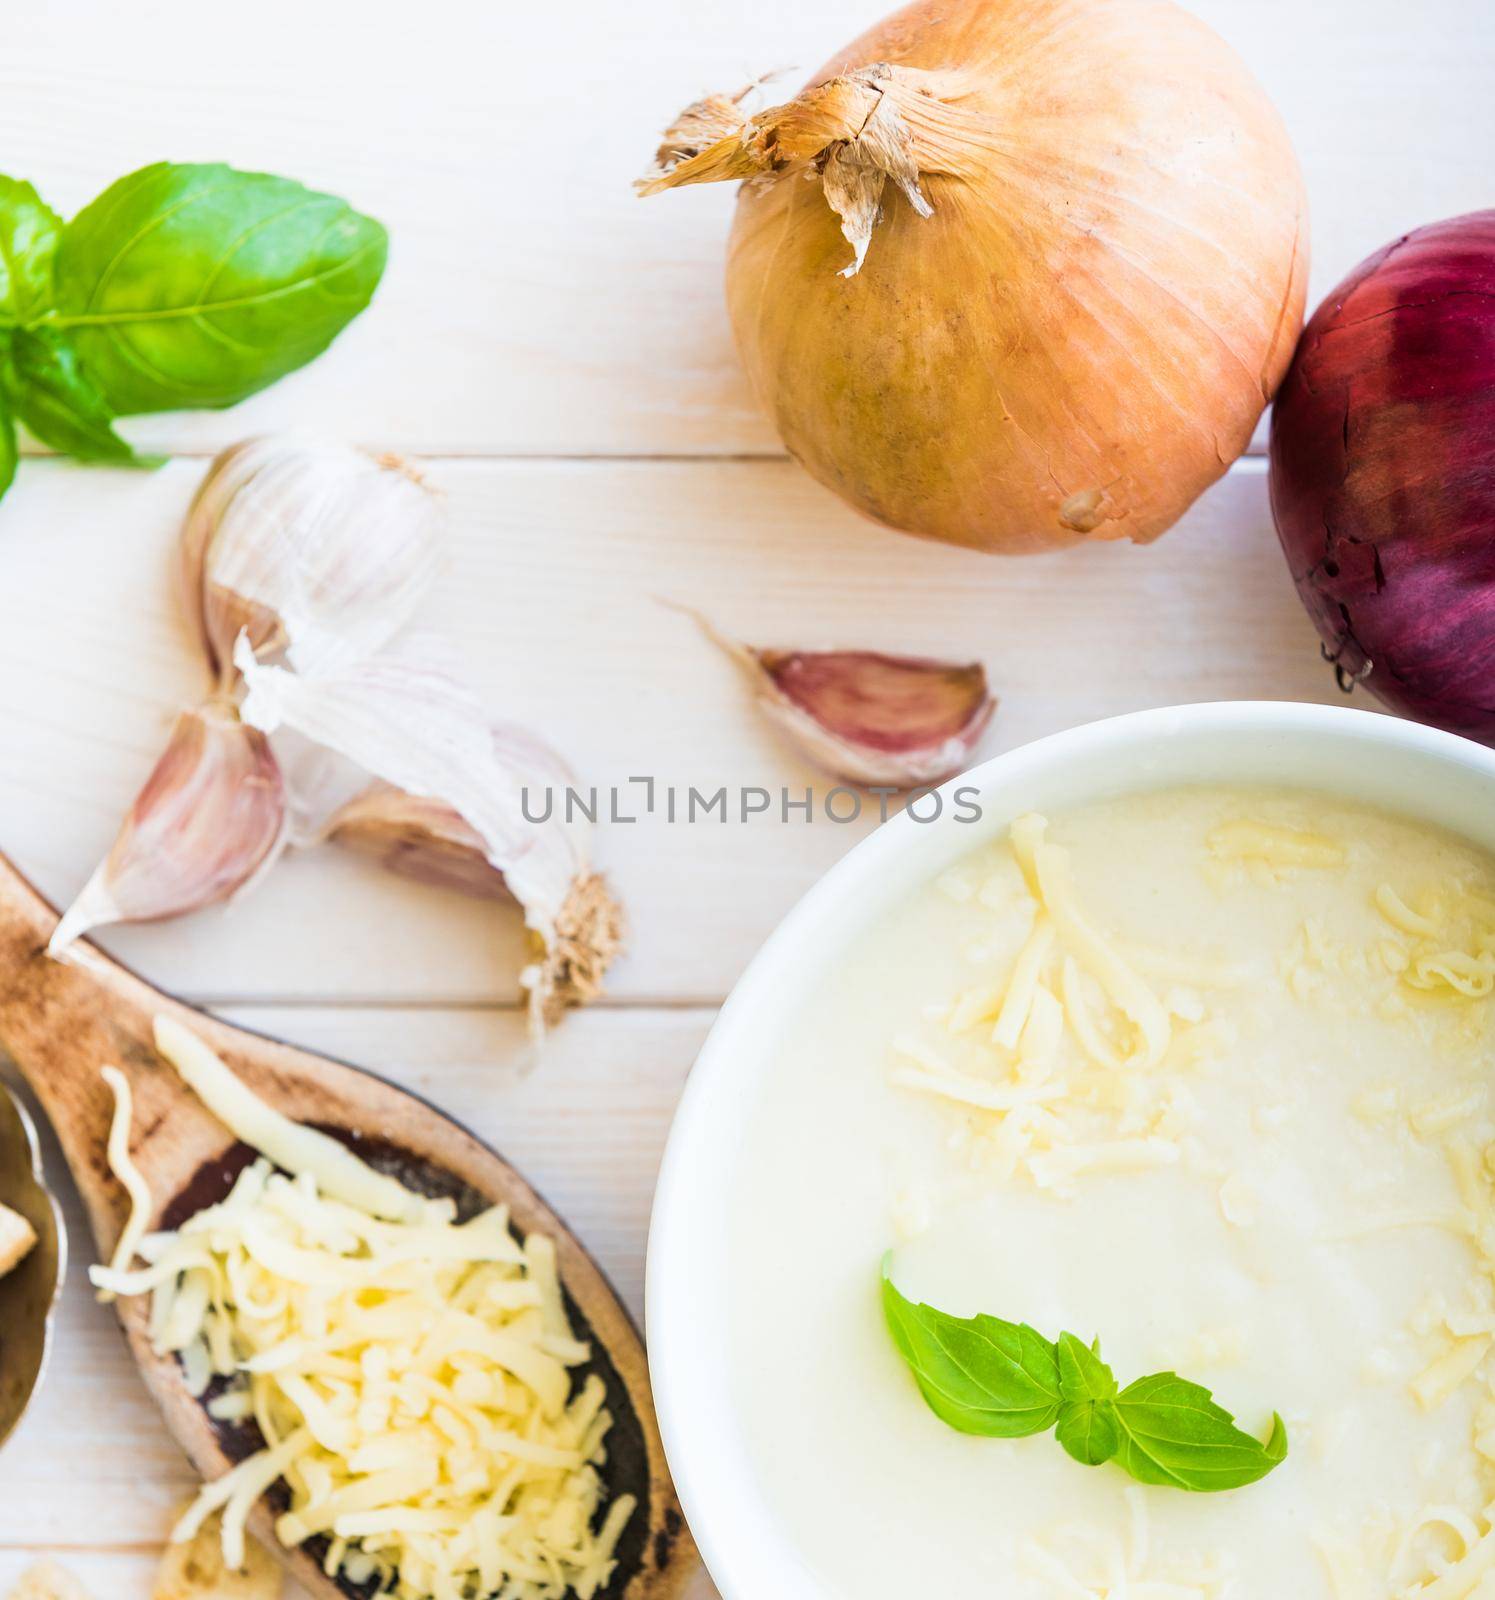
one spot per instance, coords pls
(209, 820)
(313, 549)
(418, 838)
(867, 717)
(396, 755)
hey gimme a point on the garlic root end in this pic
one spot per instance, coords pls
(587, 936)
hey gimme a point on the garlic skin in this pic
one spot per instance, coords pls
(902, 722)
(209, 821)
(395, 755)
(314, 549)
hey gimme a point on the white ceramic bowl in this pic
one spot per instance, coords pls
(1373, 758)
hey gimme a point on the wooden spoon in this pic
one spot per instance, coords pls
(62, 1020)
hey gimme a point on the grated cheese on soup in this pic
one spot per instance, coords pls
(1203, 1072)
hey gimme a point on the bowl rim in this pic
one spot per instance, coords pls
(735, 1563)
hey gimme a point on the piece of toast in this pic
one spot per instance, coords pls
(17, 1236)
(195, 1571)
(47, 1581)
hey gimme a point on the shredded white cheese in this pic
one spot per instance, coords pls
(1401, 916)
(129, 1175)
(1466, 1578)
(412, 1376)
(339, 1173)
(1055, 1064)
(1447, 1111)
(1075, 1563)
(1050, 867)
(1276, 848)
(1023, 984)
(1239, 1203)
(1449, 1371)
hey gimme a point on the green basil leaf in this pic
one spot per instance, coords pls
(1082, 1374)
(196, 286)
(9, 455)
(1088, 1431)
(1005, 1380)
(58, 402)
(978, 1374)
(29, 233)
(1087, 1421)
(1173, 1433)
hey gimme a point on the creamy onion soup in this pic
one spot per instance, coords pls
(1203, 1074)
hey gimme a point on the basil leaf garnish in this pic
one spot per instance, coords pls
(1087, 1423)
(1082, 1373)
(1005, 1380)
(199, 285)
(979, 1374)
(29, 233)
(1173, 1433)
(1088, 1430)
(59, 403)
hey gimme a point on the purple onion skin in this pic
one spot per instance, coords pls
(1383, 474)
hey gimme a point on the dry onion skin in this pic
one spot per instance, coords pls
(1012, 274)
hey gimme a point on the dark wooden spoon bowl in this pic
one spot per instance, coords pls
(61, 1021)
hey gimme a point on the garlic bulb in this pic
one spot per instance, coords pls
(209, 820)
(897, 721)
(396, 755)
(313, 549)
(302, 561)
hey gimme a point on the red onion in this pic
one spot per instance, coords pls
(1383, 474)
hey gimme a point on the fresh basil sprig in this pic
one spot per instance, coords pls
(180, 286)
(58, 401)
(29, 231)
(1004, 1380)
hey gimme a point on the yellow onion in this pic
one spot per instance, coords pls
(1012, 273)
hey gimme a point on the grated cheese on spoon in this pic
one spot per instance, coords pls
(339, 1173)
(123, 1168)
(413, 1376)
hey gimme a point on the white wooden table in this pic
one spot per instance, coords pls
(559, 353)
